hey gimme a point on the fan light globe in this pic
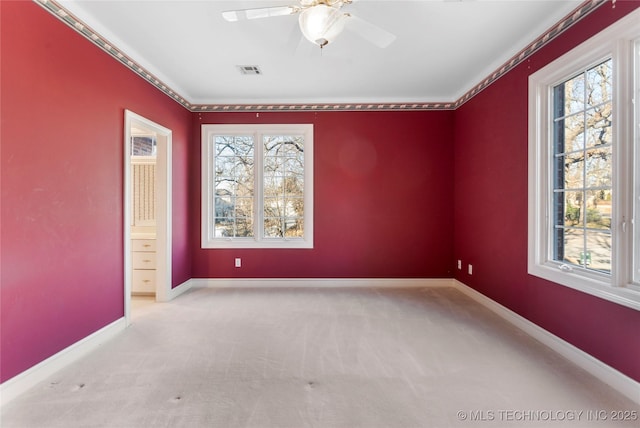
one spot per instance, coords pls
(321, 24)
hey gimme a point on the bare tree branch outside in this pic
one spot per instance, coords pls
(582, 171)
(282, 182)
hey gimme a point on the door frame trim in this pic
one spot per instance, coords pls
(163, 209)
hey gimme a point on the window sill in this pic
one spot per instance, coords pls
(239, 243)
(625, 296)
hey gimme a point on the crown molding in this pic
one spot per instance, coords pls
(72, 21)
(560, 27)
(321, 107)
(93, 36)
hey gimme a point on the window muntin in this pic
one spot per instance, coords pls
(283, 186)
(582, 170)
(233, 186)
(257, 186)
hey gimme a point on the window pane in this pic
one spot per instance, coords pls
(244, 227)
(244, 207)
(225, 166)
(599, 84)
(294, 228)
(223, 205)
(558, 173)
(234, 185)
(294, 207)
(293, 187)
(294, 146)
(557, 240)
(573, 215)
(598, 126)
(273, 185)
(297, 182)
(245, 181)
(273, 164)
(558, 136)
(272, 145)
(224, 147)
(234, 217)
(574, 133)
(294, 166)
(574, 171)
(574, 92)
(599, 169)
(223, 227)
(273, 207)
(143, 146)
(273, 227)
(599, 209)
(582, 169)
(283, 185)
(573, 246)
(598, 252)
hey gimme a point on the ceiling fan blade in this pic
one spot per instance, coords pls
(261, 12)
(368, 31)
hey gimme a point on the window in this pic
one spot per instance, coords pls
(584, 166)
(257, 186)
(582, 169)
(143, 145)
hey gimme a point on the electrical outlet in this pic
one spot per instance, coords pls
(238, 262)
(470, 270)
(459, 264)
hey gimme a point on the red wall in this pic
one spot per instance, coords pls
(382, 198)
(491, 213)
(63, 103)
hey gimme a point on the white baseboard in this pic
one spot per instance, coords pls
(622, 383)
(607, 374)
(320, 282)
(27, 379)
(178, 290)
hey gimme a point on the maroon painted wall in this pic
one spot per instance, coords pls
(491, 213)
(383, 199)
(63, 103)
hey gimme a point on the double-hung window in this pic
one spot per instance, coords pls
(257, 186)
(584, 166)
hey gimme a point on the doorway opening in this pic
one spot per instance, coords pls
(147, 213)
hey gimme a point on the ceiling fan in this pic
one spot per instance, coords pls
(321, 21)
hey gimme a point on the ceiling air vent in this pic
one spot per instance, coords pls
(249, 69)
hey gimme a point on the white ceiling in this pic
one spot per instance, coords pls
(442, 50)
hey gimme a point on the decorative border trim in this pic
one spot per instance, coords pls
(607, 374)
(320, 282)
(321, 107)
(19, 384)
(65, 16)
(580, 12)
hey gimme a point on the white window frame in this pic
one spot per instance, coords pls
(208, 132)
(636, 167)
(621, 286)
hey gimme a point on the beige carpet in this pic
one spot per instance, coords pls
(427, 357)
